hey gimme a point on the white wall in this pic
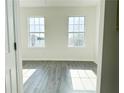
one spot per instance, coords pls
(56, 37)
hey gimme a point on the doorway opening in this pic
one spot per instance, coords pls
(59, 45)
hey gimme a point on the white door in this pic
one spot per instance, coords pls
(10, 63)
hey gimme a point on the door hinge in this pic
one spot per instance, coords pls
(15, 47)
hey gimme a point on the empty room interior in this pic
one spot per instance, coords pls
(59, 45)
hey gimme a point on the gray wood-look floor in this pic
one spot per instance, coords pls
(54, 77)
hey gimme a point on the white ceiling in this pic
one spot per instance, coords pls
(57, 3)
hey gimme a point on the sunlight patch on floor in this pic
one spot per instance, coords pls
(84, 80)
(27, 74)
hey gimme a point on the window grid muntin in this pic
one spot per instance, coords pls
(74, 31)
(37, 32)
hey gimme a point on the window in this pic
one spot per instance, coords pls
(76, 31)
(36, 32)
(84, 80)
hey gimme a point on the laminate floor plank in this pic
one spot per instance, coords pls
(57, 77)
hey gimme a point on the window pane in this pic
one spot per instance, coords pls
(37, 21)
(71, 20)
(76, 39)
(41, 28)
(42, 39)
(71, 39)
(81, 27)
(31, 20)
(81, 39)
(76, 28)
(42, 36)
(36, 39)
(76, 20)
(33, 39)
(81, 20)
(31, 28)
(71, 28)
(37, 28)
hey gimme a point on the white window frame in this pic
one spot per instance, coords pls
(35, 32)
(77, 32)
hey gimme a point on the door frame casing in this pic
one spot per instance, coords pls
(18, 50)
(11, 83)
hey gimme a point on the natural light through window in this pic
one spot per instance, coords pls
(76, 31)
(27, 74)
(36, 32)
(84, 80)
